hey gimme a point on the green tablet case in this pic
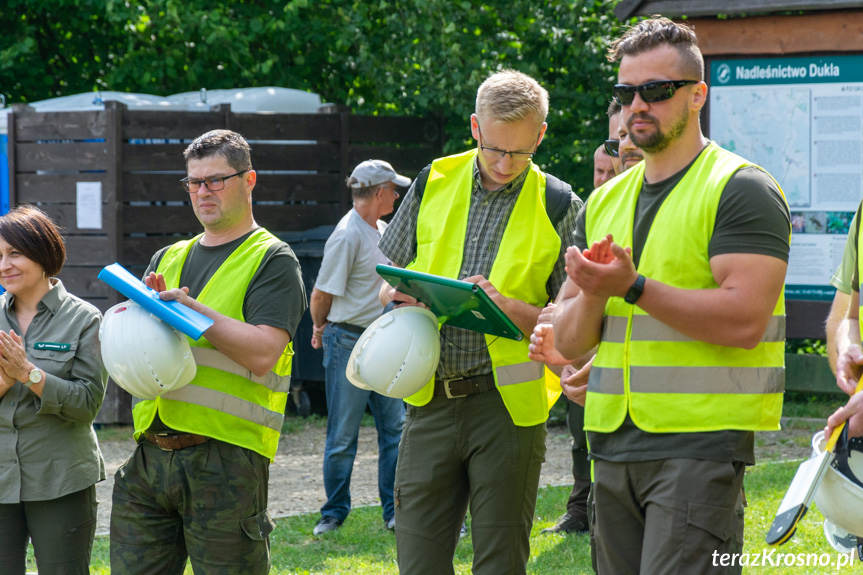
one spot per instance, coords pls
(455, 302)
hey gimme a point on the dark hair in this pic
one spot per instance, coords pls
(614, 107)
(230, 145)
(30, 231)
(660, 31)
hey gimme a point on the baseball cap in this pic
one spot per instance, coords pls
(374, 172)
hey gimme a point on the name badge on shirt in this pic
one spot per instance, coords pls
(52, 346)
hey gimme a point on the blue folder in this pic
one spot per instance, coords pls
(175, 314)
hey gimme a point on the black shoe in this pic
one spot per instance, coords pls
(327, 524)
(569, 523)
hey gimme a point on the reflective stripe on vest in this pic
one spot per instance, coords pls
(224, 400)
(525, 259)
(665, 380)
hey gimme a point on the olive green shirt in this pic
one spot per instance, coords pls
(47, 445)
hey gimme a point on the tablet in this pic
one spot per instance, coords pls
(455, 302)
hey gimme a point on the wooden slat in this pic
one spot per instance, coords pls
(160, 219)
(264, 126)
(299, 187)
(66, 215)
(78, 156)
(84, 283)
(153, 157)
(407, 161)
(145, 124)
(88, 251)
(60, 126)
(805, 319)
(181, 219)
(320, 157)
(394, 130)
(137, 250)
(54, 187)
(695, 8)
(778, 35)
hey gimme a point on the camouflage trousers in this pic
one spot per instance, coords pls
(207, 503)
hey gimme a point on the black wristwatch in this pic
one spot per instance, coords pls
(635, 291)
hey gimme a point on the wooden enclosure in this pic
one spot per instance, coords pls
(136, 158)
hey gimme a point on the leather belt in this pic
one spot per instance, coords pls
(172, 442)
(349, 327)
(462, 387)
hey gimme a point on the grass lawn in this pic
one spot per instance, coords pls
(363, 547)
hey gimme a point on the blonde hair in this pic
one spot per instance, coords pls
(510, 96)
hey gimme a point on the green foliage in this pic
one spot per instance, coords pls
(406, 57)
(806, 346)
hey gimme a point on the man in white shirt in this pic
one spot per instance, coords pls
(344, 302)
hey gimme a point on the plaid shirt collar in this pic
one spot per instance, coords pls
(513, 186)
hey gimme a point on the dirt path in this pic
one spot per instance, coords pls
(297, 486)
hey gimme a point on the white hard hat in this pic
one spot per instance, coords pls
(142, 354)
(398, 354)
(839, 497)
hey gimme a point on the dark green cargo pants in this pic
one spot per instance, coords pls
(207, 503)
(455, 451)
(62, 531)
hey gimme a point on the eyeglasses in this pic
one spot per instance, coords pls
(650, 92)
(495, 154)
(612, 148)
(212, 184)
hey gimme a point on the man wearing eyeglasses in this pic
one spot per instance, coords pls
(196, 486)
(677, 274)
(477, 432)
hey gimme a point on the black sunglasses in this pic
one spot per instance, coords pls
(612, 148)
(650, 92)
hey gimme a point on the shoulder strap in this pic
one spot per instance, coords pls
(421, 181)
(558, 197)
(558, 194)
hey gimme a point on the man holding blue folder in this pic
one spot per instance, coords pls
(196, 486)
(477, 432)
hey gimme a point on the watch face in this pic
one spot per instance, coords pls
(35, 376)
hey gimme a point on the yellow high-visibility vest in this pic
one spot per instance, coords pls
(524, 262)
(665, 380)
(224, 400)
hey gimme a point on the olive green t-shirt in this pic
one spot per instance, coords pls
(752, 217)
(275, 296)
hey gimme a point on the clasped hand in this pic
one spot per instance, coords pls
(604, 270)
(13, 357)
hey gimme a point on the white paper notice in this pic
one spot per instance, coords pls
(89, 206)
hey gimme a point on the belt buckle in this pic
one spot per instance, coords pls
(158, 437)
(449, 394)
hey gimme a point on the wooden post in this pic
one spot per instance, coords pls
(12, 134)
(345, 148)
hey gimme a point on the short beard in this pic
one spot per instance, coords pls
(658, 141)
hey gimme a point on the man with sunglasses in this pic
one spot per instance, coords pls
(196, 486)
(677, 274)
(476, 434)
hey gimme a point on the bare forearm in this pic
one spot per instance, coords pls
(522, 314)
(257, 348)
(320, 304)
(577, 325)
(834, 324)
